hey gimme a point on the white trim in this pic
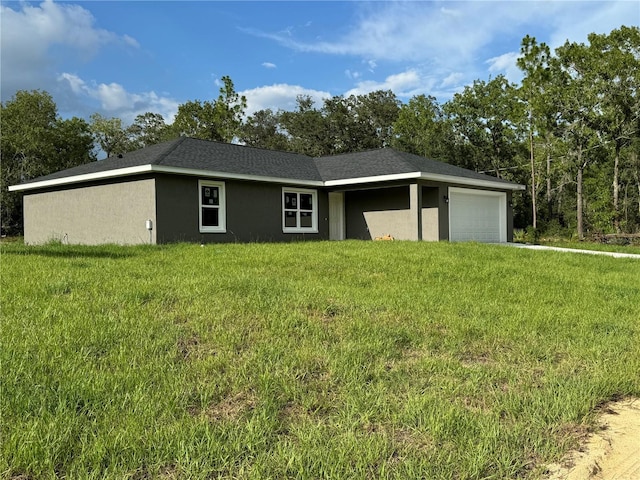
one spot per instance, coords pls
(314, 211)
(424, 176)
(222, 208)
(502, 218)
(377, 178)
(120, 172)
(124, 172)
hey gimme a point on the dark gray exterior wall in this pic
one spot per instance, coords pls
(510, 217)
(253, 212)
(375, 212)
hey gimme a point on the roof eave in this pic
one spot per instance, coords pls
(426, 176)
(142, 169)
(87, 177)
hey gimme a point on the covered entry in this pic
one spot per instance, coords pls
(477, 215)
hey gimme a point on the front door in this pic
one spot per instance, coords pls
(336, 216)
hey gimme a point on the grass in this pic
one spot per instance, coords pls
(309, 360)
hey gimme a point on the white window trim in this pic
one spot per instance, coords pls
(222, 216)
(314, 211)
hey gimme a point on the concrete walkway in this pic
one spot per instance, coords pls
(575, 250)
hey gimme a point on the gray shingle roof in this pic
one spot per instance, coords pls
(205, 156)
(194, 154)
(387, 161)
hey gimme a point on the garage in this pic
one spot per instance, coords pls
(477, 215)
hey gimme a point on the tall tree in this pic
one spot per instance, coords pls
(34, 141)
(537, 96)
(220, 120)
(110, 135)
(73, 143)
(149, 129)
(378, 110)
(486, 118)
(262, 130)
(307, 129)
(422, 128)
(611, 63)
(578, 107)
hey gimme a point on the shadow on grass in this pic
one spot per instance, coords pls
(66, 251)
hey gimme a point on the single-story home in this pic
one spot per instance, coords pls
(189, 190)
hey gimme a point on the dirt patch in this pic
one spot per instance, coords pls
(612, 453)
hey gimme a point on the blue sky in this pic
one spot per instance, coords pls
(125, 58)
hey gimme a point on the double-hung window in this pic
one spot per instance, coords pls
(299, 210)
(212, 206)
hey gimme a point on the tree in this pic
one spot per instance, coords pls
(110, 135)
(378, 111)
(307, 129)
(73, 143)
(613, 68)
(577, 107)
(485, 119)
(35, 142)
(219, 121)
(262, 130)
(422, 128)
(149, 129)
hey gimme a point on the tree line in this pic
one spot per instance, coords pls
(570, 132)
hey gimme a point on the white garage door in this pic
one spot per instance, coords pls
(477, 215)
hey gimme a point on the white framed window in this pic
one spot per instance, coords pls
(211, 203)
(299, 210)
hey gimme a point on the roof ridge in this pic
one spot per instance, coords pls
(176, 143)
(250, 147)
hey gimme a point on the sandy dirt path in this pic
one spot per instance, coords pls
(612, 453)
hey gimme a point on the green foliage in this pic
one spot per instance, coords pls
(342, 125)
(306, 129)
(262, 130)
(149, 129)
(219, 120)
(586, 97)
(34, 141)
(486, 119)
(423, 129)
(308, 360)
(110, 135)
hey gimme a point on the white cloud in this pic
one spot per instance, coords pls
(352, 75)
(29, 32)
(467, 36)
(403, 84)
(115, 101)
(452, 79)
(506, 64)
(279, 96)
(269, 65)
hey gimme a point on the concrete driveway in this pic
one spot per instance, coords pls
(575, 250)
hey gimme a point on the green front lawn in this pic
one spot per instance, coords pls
(308, 360)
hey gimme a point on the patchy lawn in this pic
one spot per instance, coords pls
(308, 360)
